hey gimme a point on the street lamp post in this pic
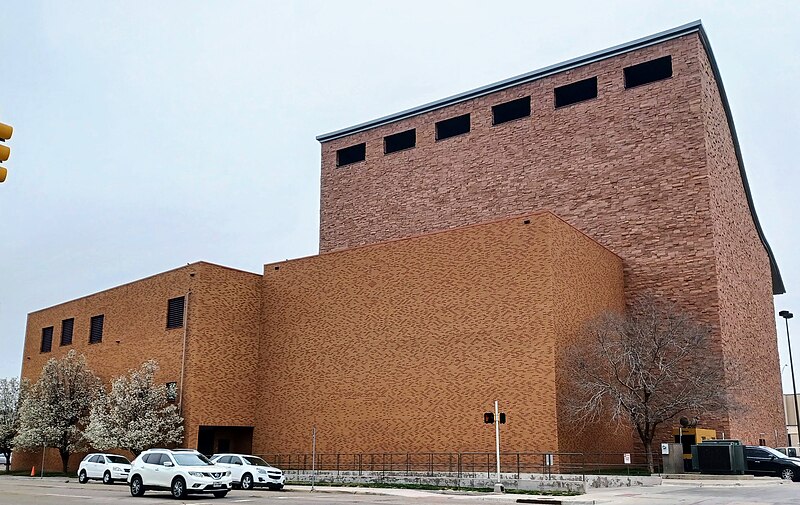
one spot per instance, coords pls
(785, 314)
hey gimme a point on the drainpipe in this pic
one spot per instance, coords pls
(183, 356)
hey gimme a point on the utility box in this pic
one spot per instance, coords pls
(672, 457)
(688, 437)
(719, 457)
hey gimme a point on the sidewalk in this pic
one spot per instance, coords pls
(459, 495)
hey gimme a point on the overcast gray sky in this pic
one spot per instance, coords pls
(153, 134)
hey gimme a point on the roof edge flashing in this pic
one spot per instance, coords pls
(534, 75)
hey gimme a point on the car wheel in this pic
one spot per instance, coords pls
(246, 482)
(137, 487)
(82, 478)
(787, 473)
(220, 494)
(107, 478)
(178, 488)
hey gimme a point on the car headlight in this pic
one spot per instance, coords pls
(226, 474)
(196, 474)
(261, 470)
(116, 469)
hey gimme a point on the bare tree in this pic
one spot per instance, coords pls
(55, 411)
(136, 414)
(10, 392)
(646, 368)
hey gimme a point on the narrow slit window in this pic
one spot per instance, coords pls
(175, 310)
(66, 331)
(96, 329)
(452, 127)
(352, 154)
(649, 71)
(399, 141)
(47, 339)
(172, 391)
(509, 111)
(576, 92)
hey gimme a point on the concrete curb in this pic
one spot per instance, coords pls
(459, 495)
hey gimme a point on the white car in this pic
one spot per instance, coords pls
(181, 471)
(108, 467)
(248, 471)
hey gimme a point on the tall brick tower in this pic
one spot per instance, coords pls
(634, 145)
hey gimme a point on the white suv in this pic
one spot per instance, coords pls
(248, 471)
(108, 467)
(181, 471)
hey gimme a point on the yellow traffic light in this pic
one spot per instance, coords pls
(5, 133)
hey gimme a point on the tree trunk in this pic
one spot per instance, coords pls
(64, 460)
(648, 450)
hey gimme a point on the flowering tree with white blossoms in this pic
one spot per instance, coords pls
(55, 411)
(10, 391)
(136, 415)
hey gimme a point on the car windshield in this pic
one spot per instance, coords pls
(118, 459)
(253, 460)
(774, 452)
(191, 459)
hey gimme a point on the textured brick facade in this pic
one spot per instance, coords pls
(222, 321)
(401, 346)
(649, 172)
(433, 296)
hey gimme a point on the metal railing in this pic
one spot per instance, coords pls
(465, 464)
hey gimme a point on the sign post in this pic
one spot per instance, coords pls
(498, 487)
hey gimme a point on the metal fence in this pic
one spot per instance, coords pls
(466, 464)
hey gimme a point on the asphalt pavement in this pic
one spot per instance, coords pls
(61, 491)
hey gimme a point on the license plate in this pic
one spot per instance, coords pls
(217, 484)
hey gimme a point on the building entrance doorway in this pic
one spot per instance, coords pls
(217, 439)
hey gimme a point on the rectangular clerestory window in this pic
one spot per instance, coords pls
(352, 154)
(575, 92)
(400, 141)
(509, 111)
(451, 127)
(96, 329)
(47, 339)
(647, 72)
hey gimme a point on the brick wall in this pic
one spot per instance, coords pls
(222, 321)
(402, 346)
(746, 311)
(648, 172)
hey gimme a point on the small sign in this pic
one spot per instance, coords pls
(627, 458)
(548, 459)
(665, 449)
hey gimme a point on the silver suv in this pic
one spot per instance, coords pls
(181, 471)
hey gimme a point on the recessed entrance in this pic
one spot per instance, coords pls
(217, 439)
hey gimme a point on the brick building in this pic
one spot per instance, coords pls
(473, 234)
(634, 146)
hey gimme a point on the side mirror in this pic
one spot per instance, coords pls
(168, 463)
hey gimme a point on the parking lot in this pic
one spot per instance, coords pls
(57, 491)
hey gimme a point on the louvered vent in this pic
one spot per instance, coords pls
(175, 307)
(96, 329)
(66, 331)
(47, 339)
